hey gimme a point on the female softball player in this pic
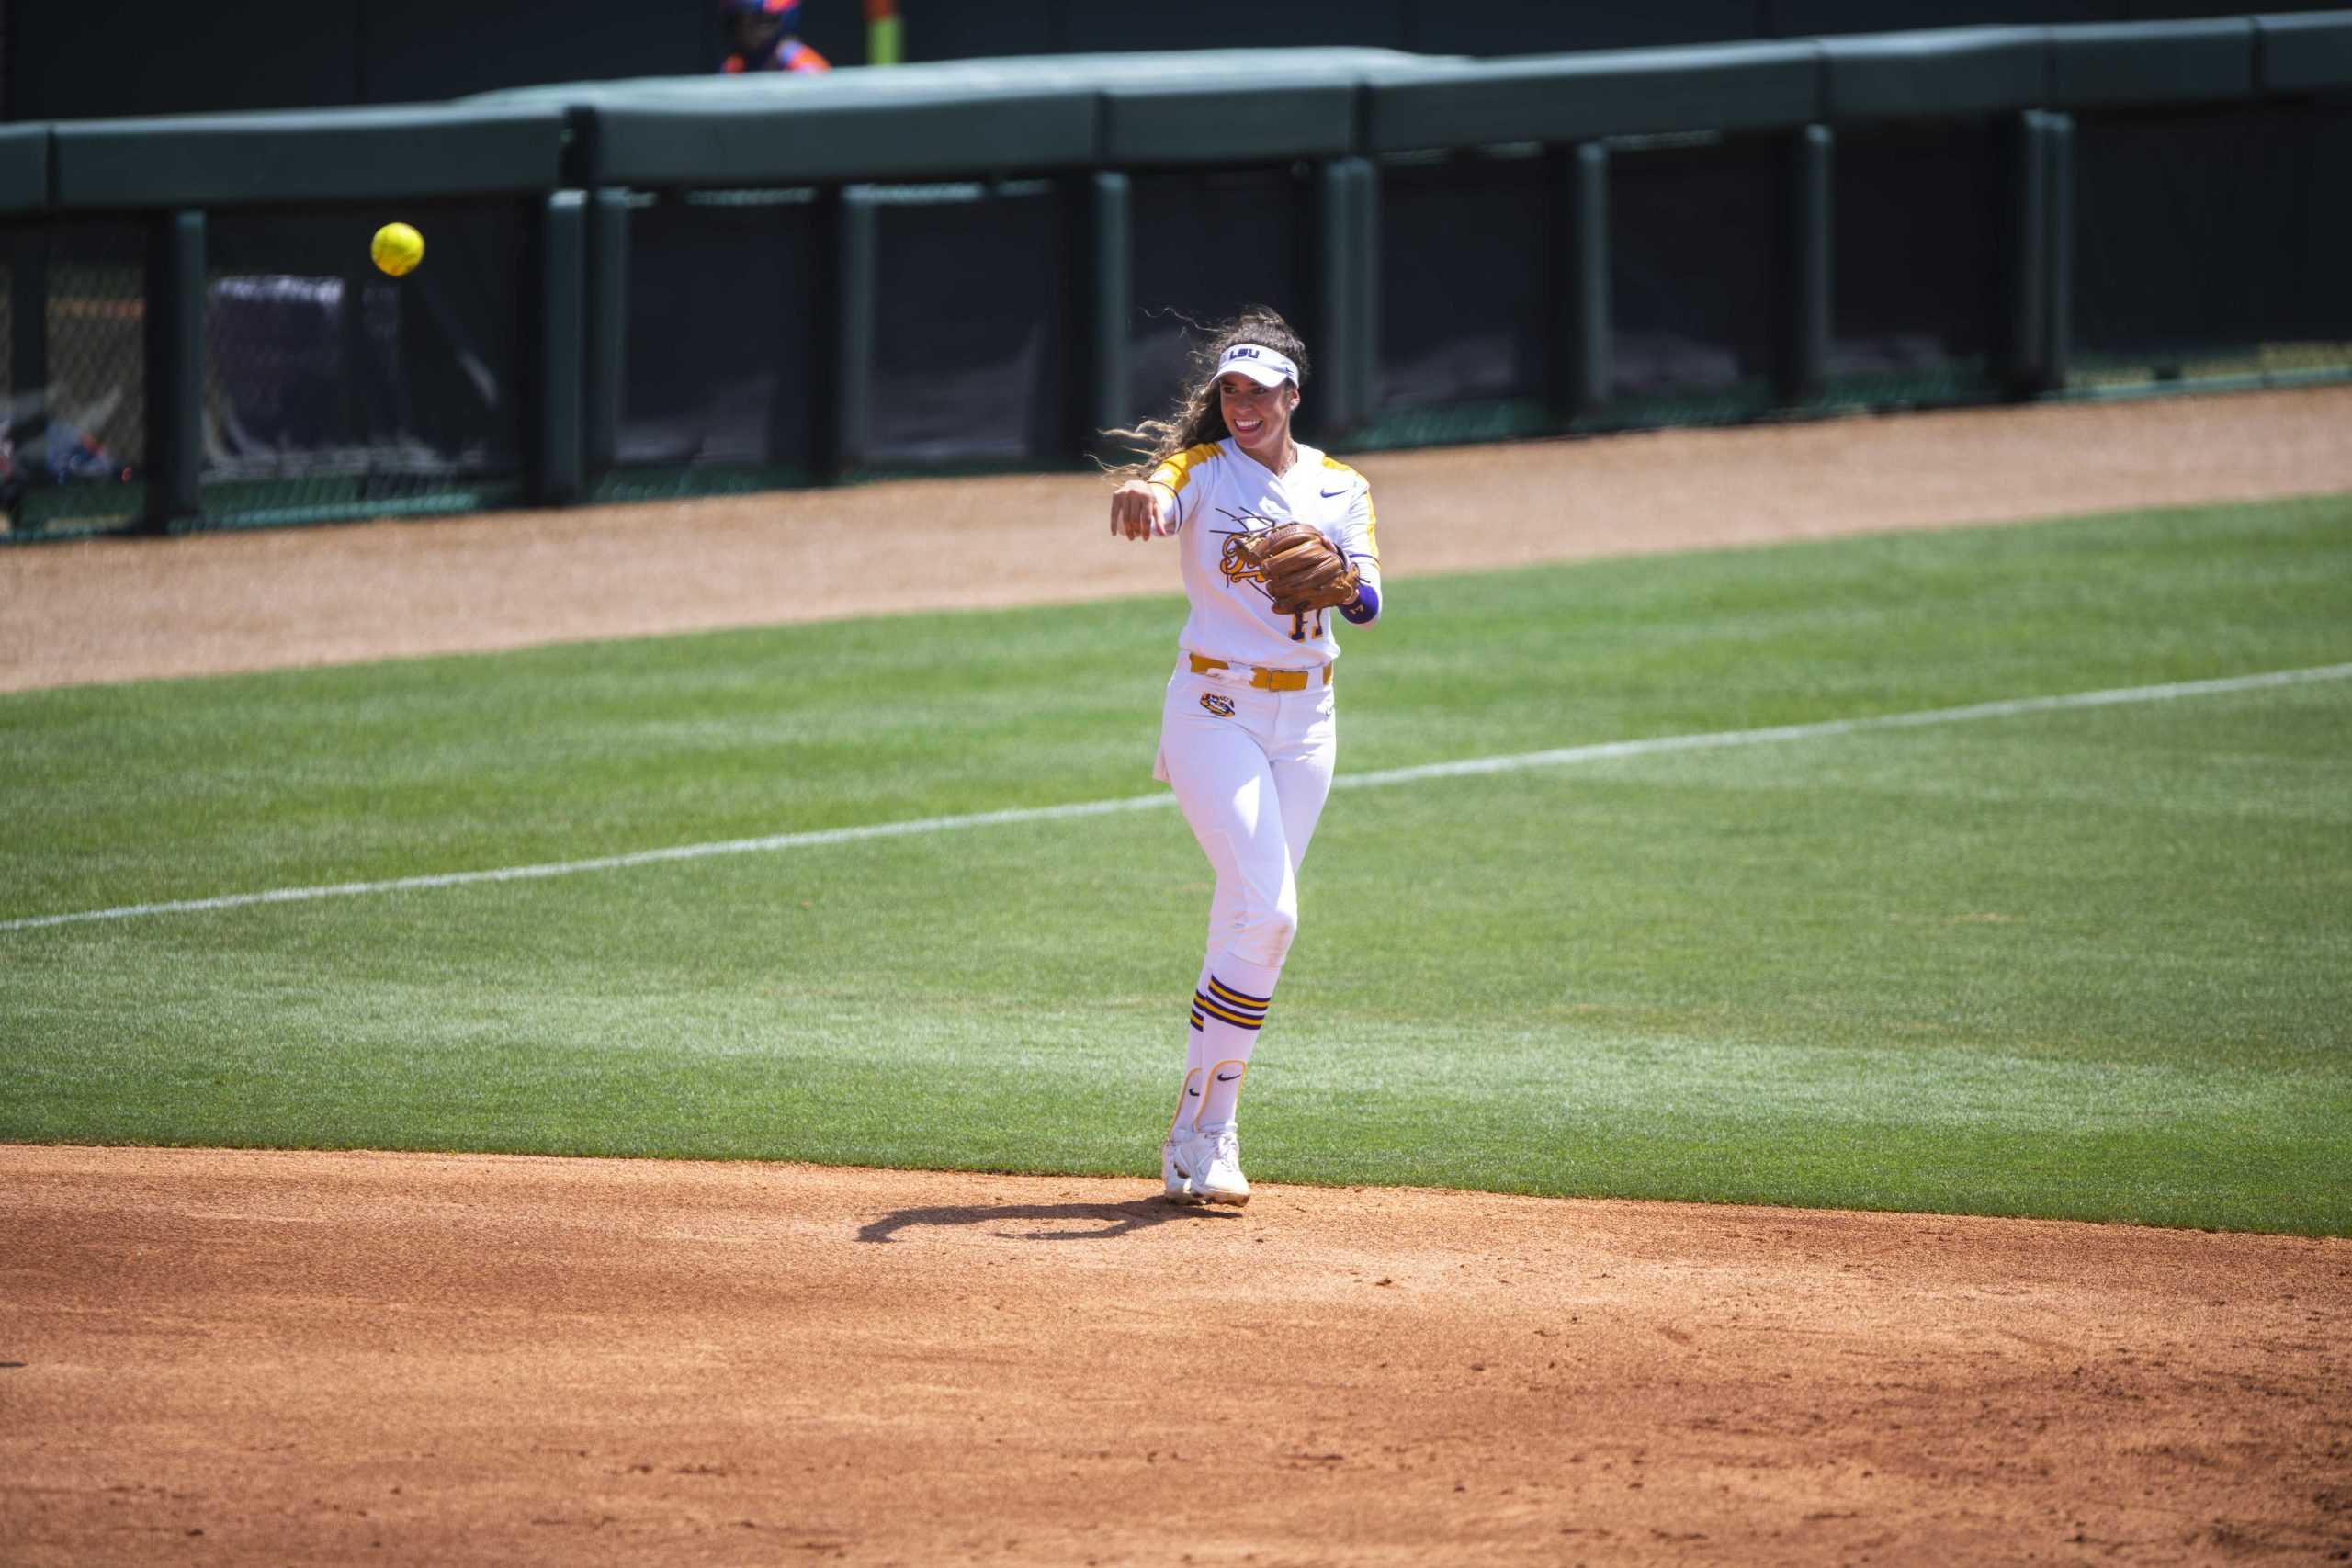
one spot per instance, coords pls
(1246, 735)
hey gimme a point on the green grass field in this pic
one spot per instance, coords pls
(2091, 963)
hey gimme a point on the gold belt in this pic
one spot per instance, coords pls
(1266, 679)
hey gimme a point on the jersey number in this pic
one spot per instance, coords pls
(1300, 630)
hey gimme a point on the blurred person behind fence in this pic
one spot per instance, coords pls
(764, 35)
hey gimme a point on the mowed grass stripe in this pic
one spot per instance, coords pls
(2095, 966)
(770, 844)
(1557, 757)
(2061, 969)
(159, 792)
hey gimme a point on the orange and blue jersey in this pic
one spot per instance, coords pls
(789, 54)
(786, 53)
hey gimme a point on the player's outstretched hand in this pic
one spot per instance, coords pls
(1134, 512)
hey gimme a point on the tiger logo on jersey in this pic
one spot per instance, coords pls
(1236, 567)
(1221, 706)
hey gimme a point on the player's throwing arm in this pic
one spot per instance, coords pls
(1277, 545)
(1136, 510)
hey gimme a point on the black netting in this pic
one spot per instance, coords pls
(722, 354)
(2213, 244)
(73, 440)
(1207, 243)
(969, 340)
(334, 390)
(1693, 227)
(727, 334)
(1467, 280)
(1923, 232)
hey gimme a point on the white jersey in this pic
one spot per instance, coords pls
(1216, 492)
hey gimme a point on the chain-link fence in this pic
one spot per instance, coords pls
(330, 390)
(74, 438)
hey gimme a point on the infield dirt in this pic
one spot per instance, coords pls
(270, 1358)
(230, 1356)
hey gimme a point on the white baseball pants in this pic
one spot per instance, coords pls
(1252, 770)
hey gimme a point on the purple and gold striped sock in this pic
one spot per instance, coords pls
(1228, 1019)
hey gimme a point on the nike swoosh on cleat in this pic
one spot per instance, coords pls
(1227, 1077)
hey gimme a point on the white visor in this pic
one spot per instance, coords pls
(1261, 364)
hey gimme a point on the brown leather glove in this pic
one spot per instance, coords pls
(1300, 568)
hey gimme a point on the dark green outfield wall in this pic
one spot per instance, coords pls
(69, 60)
(664, 285)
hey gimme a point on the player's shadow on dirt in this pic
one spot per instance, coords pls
(1076, 1222)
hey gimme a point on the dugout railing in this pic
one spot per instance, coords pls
(674, 284)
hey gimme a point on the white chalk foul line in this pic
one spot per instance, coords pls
(2007, 708)
(1562, 757)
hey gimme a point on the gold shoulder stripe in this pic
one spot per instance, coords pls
(1177, 472)
(1338, 466)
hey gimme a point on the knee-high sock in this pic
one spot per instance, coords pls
(1188, 1105)
(1225, 912)
(1228, 1010)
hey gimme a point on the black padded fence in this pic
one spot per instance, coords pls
(1207, 243)
(961, 352)
(650, 287)
(724, 312)
(1696, 270)
(1468, 264)
(2213, 245)
(1924, 248)
(971, 358)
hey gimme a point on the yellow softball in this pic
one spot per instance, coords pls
(397, 248)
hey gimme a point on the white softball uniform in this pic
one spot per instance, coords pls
(1247, 733)
(1219, 493)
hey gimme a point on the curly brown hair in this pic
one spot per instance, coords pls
(1198, 416)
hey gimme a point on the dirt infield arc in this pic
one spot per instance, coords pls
(251, 1358)
(284, 1358)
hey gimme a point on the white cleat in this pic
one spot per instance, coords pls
(1214, 1164)
(1177, 1175)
